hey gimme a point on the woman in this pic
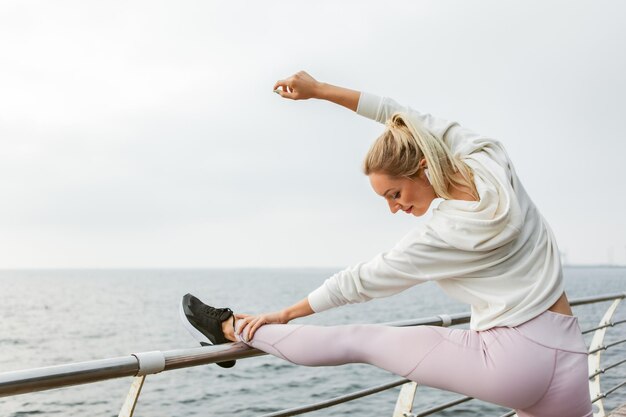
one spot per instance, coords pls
(485, 244)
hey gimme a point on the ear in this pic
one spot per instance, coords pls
(423, 166)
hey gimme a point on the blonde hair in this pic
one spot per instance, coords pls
(402, 146)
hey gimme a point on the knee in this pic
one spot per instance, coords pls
(357, 341)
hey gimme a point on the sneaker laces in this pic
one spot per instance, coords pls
(214, 312)
(217, 313)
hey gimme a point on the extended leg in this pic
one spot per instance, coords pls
(514, 367)
(496, 366)
(394, 349)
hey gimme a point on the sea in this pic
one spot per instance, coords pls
(52, 317)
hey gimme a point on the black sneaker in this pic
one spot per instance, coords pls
(205, 323)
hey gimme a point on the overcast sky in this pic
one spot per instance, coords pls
(146, 133)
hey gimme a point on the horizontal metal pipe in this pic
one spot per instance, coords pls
(509, 414)
(608, 392)
(593, 329)
(611, 324)
(184, 358)
(39, 379)
(615, 388)
(442, 407)
(31, 380)
(459, 318)
(606, 368)
(605, 347)
(462, 318)
(337, 400)
(596, 299)
(610, 345)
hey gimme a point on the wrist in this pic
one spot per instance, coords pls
(321, 90)
(285, 316)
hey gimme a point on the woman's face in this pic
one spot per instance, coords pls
(413, 196)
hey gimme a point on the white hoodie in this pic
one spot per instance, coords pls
(497, 254)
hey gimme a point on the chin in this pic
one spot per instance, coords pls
(419, 213)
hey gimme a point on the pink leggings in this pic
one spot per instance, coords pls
(538, 368)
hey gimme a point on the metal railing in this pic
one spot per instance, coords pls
(139, 365)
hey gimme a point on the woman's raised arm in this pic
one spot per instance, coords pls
(302, 86)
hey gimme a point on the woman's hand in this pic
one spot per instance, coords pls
(253, 322)
(300, 86)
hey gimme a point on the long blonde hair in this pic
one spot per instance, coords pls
(402, 146)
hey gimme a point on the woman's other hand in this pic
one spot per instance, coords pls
(300, 86)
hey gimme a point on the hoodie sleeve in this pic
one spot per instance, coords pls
(387, 274)
(419, 257)
(460, 140)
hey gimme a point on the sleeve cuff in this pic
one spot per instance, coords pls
(319, 300)
(369, 105)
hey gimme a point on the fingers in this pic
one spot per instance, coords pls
(285, 85)
(260, 322)
(285, 90)
(248, 325)
(290, 87)
(300, 86)
(280, 83)
(241, 326)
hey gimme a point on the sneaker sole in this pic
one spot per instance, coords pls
(197, 334)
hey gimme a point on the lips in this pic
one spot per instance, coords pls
(408, 210)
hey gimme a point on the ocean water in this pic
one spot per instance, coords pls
(62, 316)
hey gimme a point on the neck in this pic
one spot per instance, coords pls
(463, 192)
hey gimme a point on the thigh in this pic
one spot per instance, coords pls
(395, 349)
(497, 365)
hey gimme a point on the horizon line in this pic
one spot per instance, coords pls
(67, 268)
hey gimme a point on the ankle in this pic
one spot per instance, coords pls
(228, 329)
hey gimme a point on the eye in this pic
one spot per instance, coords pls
(396, 196)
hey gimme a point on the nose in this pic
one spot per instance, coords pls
(394, 206)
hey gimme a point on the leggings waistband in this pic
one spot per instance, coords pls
(554, 330)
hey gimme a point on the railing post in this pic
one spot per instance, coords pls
(594, 359)
(128, 408)
(405, 400)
